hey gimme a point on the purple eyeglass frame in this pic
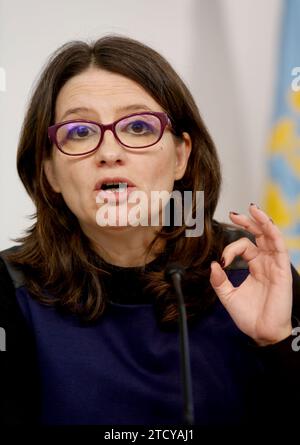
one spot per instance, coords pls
(163, 117)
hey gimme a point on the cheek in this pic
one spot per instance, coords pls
(73, 182)
(71, 172)
(159, 170)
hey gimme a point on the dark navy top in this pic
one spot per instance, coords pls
(124, 369)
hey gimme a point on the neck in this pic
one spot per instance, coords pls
(125, 246)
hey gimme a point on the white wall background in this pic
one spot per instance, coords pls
(225, 50)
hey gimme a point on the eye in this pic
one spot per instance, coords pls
(139, 127)
(79, 132)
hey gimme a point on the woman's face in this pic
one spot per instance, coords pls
(104, 97)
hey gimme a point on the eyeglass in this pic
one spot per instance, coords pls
(79, 137)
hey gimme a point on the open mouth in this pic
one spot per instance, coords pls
(114, 190)
(114, 186)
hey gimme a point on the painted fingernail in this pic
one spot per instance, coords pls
(222, 262)
(253, 204)
(234, 213)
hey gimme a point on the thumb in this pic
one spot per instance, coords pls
(220, 283)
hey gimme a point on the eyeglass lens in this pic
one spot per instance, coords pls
(134, 131)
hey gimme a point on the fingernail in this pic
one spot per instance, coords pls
(222, 262)
(234, 213)
(253, 204)
(271, 220)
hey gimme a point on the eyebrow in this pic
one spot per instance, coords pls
(133, 107)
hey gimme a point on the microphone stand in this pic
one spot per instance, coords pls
(175, 272)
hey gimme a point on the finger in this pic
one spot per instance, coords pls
(267, 235)
(242, 247)
(271, 241)
(220, 282)
(247, 223)
(270, 230)
(252, 227)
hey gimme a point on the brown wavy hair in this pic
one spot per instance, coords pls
(59, 263)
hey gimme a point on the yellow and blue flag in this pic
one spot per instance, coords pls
(282, 199)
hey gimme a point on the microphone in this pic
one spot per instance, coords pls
(175, 272)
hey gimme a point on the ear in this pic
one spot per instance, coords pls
(183, 151)
(50, 175)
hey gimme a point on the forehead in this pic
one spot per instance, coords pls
(102, 92)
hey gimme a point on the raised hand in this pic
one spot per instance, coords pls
(261, 306)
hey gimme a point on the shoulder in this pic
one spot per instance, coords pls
(10, 275)
(20, 396)
(12, 320)
(10, 280)
(6, 282)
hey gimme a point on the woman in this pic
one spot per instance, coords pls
(92, 324)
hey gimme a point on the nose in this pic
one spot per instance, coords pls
(110, 151)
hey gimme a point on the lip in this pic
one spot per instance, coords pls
(107, 179)
(116, 197)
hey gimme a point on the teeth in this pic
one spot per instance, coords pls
(118, 186)
(122, 185)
